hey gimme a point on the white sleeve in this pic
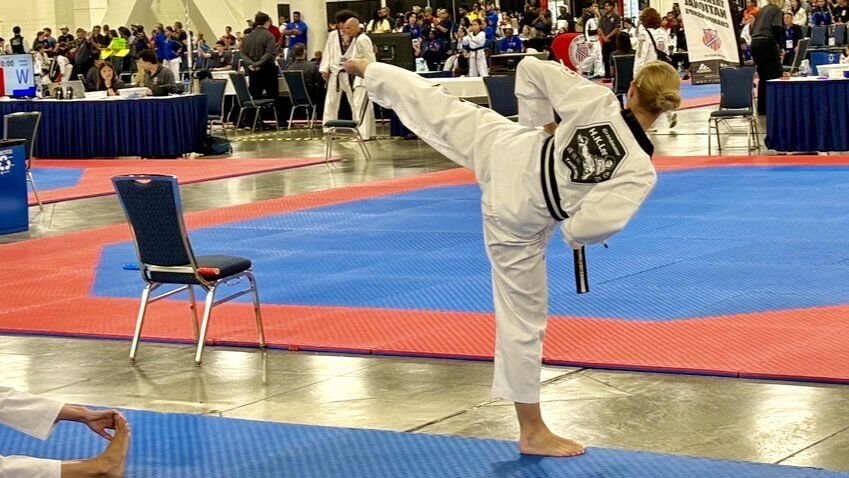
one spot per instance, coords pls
(543, 87)
(27, 467)
(324, 65)
(30, 414)
(477, 41)
(608, 207)
(465, 40)
(365, 48)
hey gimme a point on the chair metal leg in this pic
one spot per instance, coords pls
(207, 312)
(257, 312)
(257, 116)
(193, 306)
(757, 133)
(34, 190)
(718, 138)
(140, 320)
(710, 136)
(276, 121)
(363, 146)
(291, 115)
(328, 147)
(312, 118)
(239, 119)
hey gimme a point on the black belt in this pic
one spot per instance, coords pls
(549, 181)
(552, 202)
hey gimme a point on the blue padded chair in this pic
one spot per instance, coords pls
(153, 209)
(214, 91)
(333, 128)
(838, 32)
(736, 85)
(299, 95)
(501, 96)
(624, 67)
(800, 54)
(247, 102)
(24, 126)
(819, 36)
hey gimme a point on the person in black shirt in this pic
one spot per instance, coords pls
(84, 54)
(107, 79)
(17, 45)
(609, 25)
(65, 37)
(767, 38)
(445, 26)
(841, 12)
(312, 78)
(158, 79)
(220, 59)
(97, 38)
(258, 52)
(792, 35)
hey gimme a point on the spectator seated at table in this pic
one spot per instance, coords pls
(157, 79)
(510, 43)
(820, 14)
(792, 35)
(108, 80)
(90, 80)
(434, 51)
(220, 59)
(312, 78)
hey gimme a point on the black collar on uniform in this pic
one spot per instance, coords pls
(638, 132)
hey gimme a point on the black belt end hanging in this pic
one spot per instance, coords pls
(582, 284)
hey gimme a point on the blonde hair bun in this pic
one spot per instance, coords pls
(658, 87)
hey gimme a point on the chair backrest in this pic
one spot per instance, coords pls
(736, 86)
(240, 84)
(23, 126)
(151, 203)
(818, 35)
(805, 31)
(624, 66)
(801, 54)
(501, 93)
(839, 34)
(214, 91)
(299, 95)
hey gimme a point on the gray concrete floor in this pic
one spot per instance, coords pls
(773, 422)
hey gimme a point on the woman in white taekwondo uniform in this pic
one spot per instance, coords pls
(592, 172)
(36, 416)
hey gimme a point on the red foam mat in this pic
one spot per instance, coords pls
(41, 296)
(96, 176)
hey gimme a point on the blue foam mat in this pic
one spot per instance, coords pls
(695, 92)
(177, 446)
(48, 179)
(707, 242)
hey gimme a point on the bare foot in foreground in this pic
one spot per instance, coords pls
(546, 443)
(111, 463)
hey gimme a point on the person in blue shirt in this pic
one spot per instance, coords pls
(296, 31)
(820, 15)
(163, 45)
(412, 27)
(489, 31)
(510, 43)
(491, 15)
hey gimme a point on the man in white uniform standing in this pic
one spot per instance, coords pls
(331, 68)
(361, 47)
(37, 416)
(589, 174)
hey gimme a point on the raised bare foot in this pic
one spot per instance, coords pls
(111, 463)
(545, 443)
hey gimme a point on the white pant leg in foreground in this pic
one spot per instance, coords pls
(35, 416)
(476, 137)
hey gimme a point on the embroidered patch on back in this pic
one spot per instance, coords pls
(593, 153)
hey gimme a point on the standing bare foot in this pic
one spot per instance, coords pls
(536, 439)
(545, 443)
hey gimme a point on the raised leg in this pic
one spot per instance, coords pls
(140, 320)
(207, 312)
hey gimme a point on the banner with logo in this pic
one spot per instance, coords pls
(711, 38)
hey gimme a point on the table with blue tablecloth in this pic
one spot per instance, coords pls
(153, 127)
(808, 114)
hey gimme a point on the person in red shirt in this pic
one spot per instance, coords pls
(278, 38)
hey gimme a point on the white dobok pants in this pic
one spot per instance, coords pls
(355, 98)
(594, 63)
(34, 416)
(477, 137)
(477, 63)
